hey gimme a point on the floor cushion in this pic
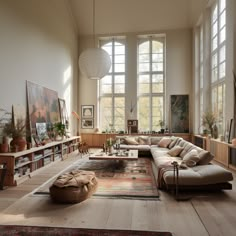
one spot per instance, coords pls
(73, 187)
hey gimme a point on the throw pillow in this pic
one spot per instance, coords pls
(131, 141)
(164, 142)
(205, 157)
(191, 158)
(175, 151)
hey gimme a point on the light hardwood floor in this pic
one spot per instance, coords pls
(204, 214)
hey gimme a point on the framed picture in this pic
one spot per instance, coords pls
(87, 123)
(132, 126)
(63, 112)
(41, 130)
(179, 114)
(42, 104)
(87, 111)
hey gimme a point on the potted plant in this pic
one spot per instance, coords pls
(208, 120)
(162, 126)
(60, 130)
(17, 132)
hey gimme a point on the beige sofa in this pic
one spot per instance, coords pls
(196, 170)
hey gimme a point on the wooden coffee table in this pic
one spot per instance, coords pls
(119, 155)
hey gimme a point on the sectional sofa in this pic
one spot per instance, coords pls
(196, 171)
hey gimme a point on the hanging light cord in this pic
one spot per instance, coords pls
(94, 23)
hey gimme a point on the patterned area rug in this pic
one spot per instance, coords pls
(122, 179)
(12, 230)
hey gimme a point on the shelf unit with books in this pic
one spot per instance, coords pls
(21, 165)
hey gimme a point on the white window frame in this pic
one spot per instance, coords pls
(217, 81)
(112, 127)
(151, 95)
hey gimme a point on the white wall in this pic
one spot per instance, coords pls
(178, 69)
(38, 43)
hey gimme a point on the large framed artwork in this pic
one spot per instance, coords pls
(42, 104)
(179, 113)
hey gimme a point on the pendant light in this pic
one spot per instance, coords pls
(94, 63)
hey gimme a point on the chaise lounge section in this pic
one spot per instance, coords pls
(196, 171)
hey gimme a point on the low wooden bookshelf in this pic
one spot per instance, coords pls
(21, 165)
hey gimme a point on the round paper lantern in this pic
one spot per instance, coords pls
(94, 63)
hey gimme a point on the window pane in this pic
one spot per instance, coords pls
(157, 57)
(222, 35)
(106, 84)
(144, 47)
(222, 19)
(144, 111)
(144, 79)
(222, 54)
(157, 66)
(144, 58)
(214, 43)
(214, 14)
(214, 75)
(119, 79)
(144, 88)
(222, 5)
(214, 99)
(119, 88)
(105, 113)
(108, 48)
(119, 49)
(214, 60)
(215, 28)
(119, 67)
(119, 110)
(119, 59)
(157, 47)
(157, 84)
(222, 70)
(144, 67)
(157, 114)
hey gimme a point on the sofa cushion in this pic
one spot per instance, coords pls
(155, 140)
(144, 140)
(175, 151)
(187, 148)
(205, 157)
(164, 142)
(131, 140)
(191, 158)
(173, 142)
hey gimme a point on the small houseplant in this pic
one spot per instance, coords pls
(17, 132)
(208, 120)
(60, 130)
(162, 126)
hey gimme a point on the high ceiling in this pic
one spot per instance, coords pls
(119, 16)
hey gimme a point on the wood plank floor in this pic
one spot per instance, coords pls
(204, 214)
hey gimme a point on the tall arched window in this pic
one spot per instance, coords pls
(218, 61)
(151, 82)
(112, 87)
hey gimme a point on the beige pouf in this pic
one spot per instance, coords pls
(73, 187)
